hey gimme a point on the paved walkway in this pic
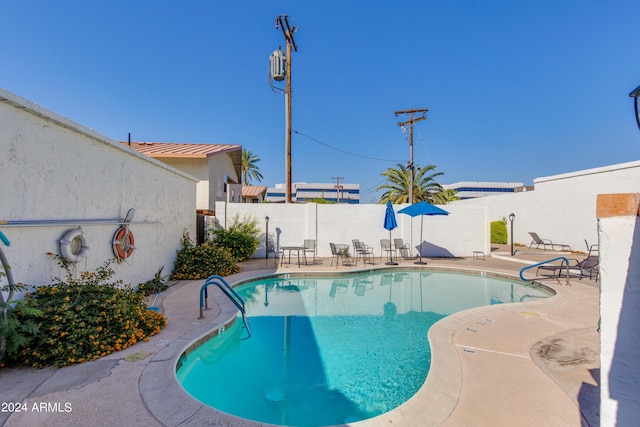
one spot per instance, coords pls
(533, 363)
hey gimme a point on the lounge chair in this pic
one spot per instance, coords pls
(403, 248)
(310, 246)
(363, 251)
(588, 265)
(591, 249)
(546, 243)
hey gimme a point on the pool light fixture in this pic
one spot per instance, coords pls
(512, 218)
(636, 95)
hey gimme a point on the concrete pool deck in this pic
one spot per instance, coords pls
(532, 363)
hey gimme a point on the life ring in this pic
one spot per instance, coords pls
(123, 243)
(74, 245)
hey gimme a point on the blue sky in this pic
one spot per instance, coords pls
(515, 90)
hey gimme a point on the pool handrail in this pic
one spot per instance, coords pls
(565, 261)
(229, 292)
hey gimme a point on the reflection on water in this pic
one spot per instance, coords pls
(328, 350)
(436, 292)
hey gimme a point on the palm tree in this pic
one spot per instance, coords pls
(249, 168)
(425, 188)
(446, 196)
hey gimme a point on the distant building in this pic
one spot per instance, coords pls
(306, 191)
(472, 190)
(253, 193)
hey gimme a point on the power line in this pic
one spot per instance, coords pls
(373, 188)
(347, 152)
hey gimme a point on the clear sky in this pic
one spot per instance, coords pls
(515, 89)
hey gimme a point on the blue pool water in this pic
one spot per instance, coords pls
(328, 350)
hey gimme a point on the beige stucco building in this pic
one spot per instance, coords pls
(216, 166)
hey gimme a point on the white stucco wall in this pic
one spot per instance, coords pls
(460, 233)
(54, 169)
(619, 238)
(562, 208)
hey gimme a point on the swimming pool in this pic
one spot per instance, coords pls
(330, 350)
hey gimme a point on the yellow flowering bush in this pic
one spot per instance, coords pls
(86, 318)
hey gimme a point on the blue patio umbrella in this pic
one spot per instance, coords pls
(389, 224)
(422, 208)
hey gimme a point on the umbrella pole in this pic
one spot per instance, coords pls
(390, 252)
(420, 251)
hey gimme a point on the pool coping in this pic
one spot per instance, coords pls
(433, 404)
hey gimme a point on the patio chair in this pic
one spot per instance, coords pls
(386, 279)
(588, 265)
(361, 285)
(385, 246)
(271, 249)
(363, 251)
(403, 248)
(546, 242)
(310, 246)
(339, 251)
(339, 286)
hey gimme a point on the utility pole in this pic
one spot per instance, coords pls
(282, 21)
(410, 122)
(338, 188)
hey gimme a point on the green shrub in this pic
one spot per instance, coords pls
(84, 319)
(201, 261)
(15, 333)
(499, 231)
(321, 201)
(153, 286)
(241, 237)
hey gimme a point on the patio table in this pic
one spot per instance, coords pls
(293, 248)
